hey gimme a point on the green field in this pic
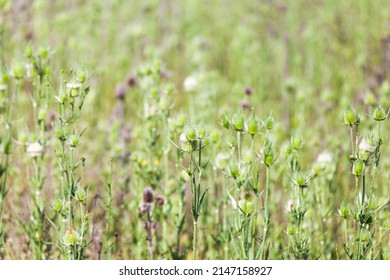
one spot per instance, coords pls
(194, 129)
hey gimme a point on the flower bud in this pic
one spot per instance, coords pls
(71, 237)
(246, 206)
(7, 146)
(296, 143)
(248, 91)
(380, 114)
(148, 195)
(268, 155)
(301, 180)
(57, 205)
(190, 134)
(43, 52)
(344, 212)
(225, 122)
(42, 113)
(160, 200)
(253, 126)
(351, 117)
(73, 141)
(358, 168)
(120, 92)
(81, 76)
(234, 171)
(201, 132)
(247, 156)
(81, 195)
(18, 71)
(28, 52)
(238, 122)
(269, 122)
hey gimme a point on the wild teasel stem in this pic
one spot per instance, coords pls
(194, 241)
(266, 212)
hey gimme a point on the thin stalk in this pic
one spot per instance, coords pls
(194, 240)
(363, 188)
(239, 146)
(266, 212)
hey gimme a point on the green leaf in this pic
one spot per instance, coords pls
(201, 201)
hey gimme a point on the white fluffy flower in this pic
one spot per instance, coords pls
(324, 158)
(34, 149)
(292, 205)
(190, 84)
(3, 87)
(183, 138)
(365, 146)
(74, 85)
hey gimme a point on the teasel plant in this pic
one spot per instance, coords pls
(243, 169)
(194, 139)
(150, 213)
(267, 157)
(365, 159)
(155, 162)
(70, 204)
(297, 206)
(182, 179)
(37, 73)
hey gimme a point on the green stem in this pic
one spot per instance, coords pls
(266, 213)
(239, 146)
(195, 236)
(363, 189)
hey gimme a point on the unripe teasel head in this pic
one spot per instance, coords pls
(269, 122)
(238, 122)
(268, 156)
(379, 114)
(246, 206)
(344, 212)
(252, 126)
(358, 168)
(71, 237)
(297, 142)
(351, 117)
(302, 180)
